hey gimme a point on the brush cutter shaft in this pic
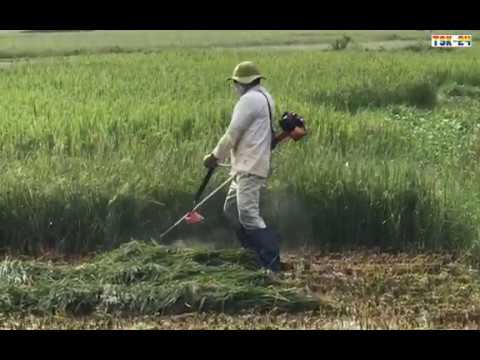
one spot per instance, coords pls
(213, 192)
(197, 206)
(173, 226)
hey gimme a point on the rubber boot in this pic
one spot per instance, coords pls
(244, 238)
(266, 243)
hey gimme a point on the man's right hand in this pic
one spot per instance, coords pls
(210, 161)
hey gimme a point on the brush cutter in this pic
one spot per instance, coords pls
(293, 127)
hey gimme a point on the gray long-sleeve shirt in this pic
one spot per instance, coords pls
(248, 136)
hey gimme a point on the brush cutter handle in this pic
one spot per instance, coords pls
(203, 185)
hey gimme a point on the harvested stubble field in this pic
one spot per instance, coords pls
(351, 290)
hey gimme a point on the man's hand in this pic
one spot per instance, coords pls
(210, 161)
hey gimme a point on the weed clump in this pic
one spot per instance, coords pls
(342, 43)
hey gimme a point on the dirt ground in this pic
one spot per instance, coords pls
(355, 290)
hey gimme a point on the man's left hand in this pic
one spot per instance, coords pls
(210, 161)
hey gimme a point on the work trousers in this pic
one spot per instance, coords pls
(242, 205)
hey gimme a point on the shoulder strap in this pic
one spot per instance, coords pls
(269, 110)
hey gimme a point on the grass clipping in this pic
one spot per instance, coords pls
(145, 279)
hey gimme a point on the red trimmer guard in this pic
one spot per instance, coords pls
(194, 217)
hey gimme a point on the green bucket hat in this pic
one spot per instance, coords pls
(246, 72)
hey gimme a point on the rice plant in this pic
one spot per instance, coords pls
(97, 149)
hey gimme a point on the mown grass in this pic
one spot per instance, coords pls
(99, 149)
(146, 279)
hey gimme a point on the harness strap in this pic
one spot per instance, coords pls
(270, 117)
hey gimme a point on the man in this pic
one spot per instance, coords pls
(249, 140)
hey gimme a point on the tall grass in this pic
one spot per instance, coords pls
(99, 149)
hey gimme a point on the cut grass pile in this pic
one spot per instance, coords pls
(146, 279)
